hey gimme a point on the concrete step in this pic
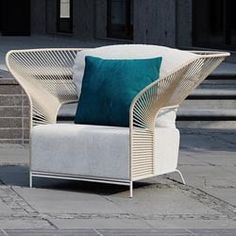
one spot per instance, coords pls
(207, 124)
(210, 93)
(218, 84)
(225, 69)
(222, 75)
(67, 113)
(212, 104)
(198, 104)
(206, 114)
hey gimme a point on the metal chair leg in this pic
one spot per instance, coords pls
(131, 189)
(181, 176)
(30, 179)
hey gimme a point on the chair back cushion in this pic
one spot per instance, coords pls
(110, 85)
(172, 59)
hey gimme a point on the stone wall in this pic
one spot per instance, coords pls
(163, 22)
(155, 22)
(14, 112)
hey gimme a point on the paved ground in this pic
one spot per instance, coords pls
(161, 206)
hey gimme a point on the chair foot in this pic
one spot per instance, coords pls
(131, 189)
(181, 176)
(30, 180)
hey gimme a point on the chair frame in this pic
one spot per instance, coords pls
(46, 77)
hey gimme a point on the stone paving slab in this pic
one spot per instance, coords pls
(30, 232)
(161, 200)
(119, 232)
(226, 193)
(101, 223)
(56, 201)
(20, 223)
(4, 209)
(207, 160)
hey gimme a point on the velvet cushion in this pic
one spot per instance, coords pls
(109, 86)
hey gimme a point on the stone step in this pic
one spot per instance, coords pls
(212, 104)
(206, 114)
(222, 76)
(67, 113)
(225, 69)
(204, 124)
(217, 84)
(206, 93)
(198, 104)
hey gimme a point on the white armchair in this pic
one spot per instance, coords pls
(117, 155)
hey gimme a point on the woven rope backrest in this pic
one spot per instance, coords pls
(46, 77)
(168, 91)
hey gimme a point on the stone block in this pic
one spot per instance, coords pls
(11, 122)
(11, 100)
(6, 133)
(10, 89)
(15, 111)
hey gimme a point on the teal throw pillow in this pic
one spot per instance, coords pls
(110, 85)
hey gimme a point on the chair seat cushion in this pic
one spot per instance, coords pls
(92, 151)
(110, 85)
(81, 149)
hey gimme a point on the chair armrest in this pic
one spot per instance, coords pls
(46, 77)
(170, 90)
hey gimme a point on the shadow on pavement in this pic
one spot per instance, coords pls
(18, 175)
(196, 140)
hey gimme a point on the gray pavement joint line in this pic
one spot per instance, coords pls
(97, 232)
(21, 202)
(110, 200)
(191, 232)
(49, 222)
(28, 208)
(4, 232)
(12, 203)
(209, 200)
(137, 217)
(130, 213)
(145, 222)
(16, 203)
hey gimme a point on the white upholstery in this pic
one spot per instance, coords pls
(100, 151)
(171, 58)
(166, 150)
(81, 149)
(165, 118)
